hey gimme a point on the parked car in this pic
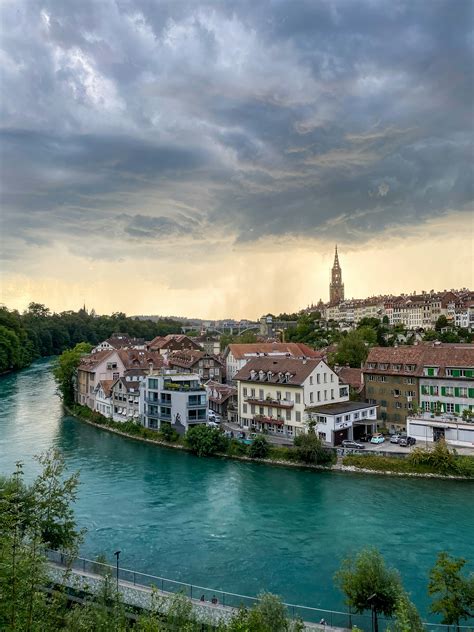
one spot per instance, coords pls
(377, 438)
(395, 438)
(353, 444)
(211, 415)
(217, 419)
(407, 441)
(365, 438)
(212, 424)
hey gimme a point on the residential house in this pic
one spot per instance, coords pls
(177, 399)
(172, 342)
(354, 378)
(103, 401)
(237, 355)
(222, 400)
(120, 341)
(125, 398)
(274, 391)
(210, 344)
(207, 366)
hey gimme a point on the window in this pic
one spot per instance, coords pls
(398, 404)
(311, 396)
(260, 394)
(364, 413)
(322, 436)
(356, 415)
(325, 377)
(449, 391)
(115, 376)
(332, 377)
(338, 419)
(396, 392)
(245, 391)
(319, 396)
(332, 393)
(252, 392)
(463, 392)
(270, 411)
(321, 419)
(318, 378)
(288, 415)
(410, 393)
(426, 405)
(288, 396)
(252, 409)
(325, 394)
(311, 380)
(260, 410)
(153, 383)
(450, 407)
(408, 380)
(425, 390)
(298, 398)
(278, 395)
(298, 416)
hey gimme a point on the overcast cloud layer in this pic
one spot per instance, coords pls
(148, 125)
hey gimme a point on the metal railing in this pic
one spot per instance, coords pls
(227, 599)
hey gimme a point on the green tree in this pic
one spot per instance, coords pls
(441, 323)
(453, 592)
(268, 615)
(369, 585)
(352, 350)
(205, 441)
(309, 449)
(407, 617)
(259, 448)
(65, 369)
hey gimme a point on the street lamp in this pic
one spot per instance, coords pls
(117, 555)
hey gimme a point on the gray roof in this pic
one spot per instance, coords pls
(339, 408)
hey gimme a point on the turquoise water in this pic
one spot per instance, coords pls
(228, 525)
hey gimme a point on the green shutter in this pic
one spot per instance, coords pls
(468, 373)
(471, 392)
(457, 408)
(456, 372)
(443, 391)
(456, 391)
(430, 371)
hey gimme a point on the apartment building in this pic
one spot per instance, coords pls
(344, 420)
(174, 398)
(172, 342)
(273, 392)
(434, 377)
(236, 356)
(206, 365)
(222, 400)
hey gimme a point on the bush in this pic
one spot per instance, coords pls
(440, 458)
(259, 448)
(309, 449)
(168, 433)
(237, 448)
(205, 441)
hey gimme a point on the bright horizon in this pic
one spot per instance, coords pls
(203, 159)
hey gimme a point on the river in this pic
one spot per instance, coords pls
(230, 525)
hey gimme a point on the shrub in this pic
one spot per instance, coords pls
(309, 449)
(168, 433)
(259, 448)
(205, 441)
(237, 448)
(440, 458)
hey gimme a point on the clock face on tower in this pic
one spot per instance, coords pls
(336, 287)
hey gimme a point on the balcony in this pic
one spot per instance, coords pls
(176, 386)
(196, 405)
(272, 403)
(154, 402)
(263, 419)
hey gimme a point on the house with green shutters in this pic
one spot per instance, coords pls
(447, 382)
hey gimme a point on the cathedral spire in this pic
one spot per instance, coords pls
(336, 287)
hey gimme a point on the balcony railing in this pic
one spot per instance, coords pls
(264, 419)
(196, 405)
(174, 386)
(273, 403)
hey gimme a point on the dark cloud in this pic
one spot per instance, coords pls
(258, 119)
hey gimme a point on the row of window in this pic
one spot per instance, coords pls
(383, 378)
(444, 407)
(448, 391)
(384, 366)
(261, 395)
(268, 412)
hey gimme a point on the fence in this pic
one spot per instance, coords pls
(227, 599)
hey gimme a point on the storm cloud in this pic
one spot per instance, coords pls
(137, 120)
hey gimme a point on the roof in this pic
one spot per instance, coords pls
(294, 349)
(106, 386)
(129, 385)
(422, 355)
(223, 391)
(350, 376)
(339, 408)
(163, 342)
(89, 362)
(140, 359)
(297, 369)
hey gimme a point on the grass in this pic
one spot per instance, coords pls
(464, 465)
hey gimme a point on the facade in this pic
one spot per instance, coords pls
(125, 396)
(336, 287)
(345, 420)
(222, 400)
(103, 401)
(273, 328)
(207, 366)
(210, 344)
(120, 341)
(177, 399)
(429, 428)
(237, 355)
(433, 377)
(273, 392)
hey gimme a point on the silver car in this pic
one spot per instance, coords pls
(353, 444)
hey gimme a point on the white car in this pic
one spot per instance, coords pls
(212, 424)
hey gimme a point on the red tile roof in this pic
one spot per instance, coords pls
(297, 369)
(294, 349)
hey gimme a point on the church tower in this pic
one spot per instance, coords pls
(336, 287)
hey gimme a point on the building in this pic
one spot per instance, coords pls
(120, 341)
(210, 344)
(207, 366)
(237, 355)
(344, 420)
(336, 287)
(110, 365)
(177, 399)
(103, 400)
(172, 342)
(433, 377)
(274, 391)
(429, 427)
(354, 378)
(222, 400)
(125, 399)
(273, 328)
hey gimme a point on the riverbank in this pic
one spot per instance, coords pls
(281, 456)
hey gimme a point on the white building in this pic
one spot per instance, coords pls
(178, 399)
(237, 355)
(103, 400)
(429, 428)
(345, 420)
(273, 392)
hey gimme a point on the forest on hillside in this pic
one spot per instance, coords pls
(38, 332)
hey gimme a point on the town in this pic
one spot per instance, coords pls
(401, 394)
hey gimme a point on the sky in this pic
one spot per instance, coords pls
(204, 158)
